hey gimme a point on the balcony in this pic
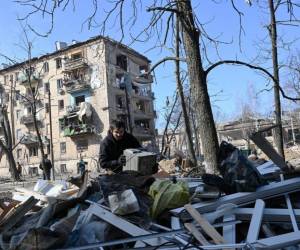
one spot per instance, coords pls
(24, 78)
(26, 98)
(144, 78)
(73, 64)
(28, 119)
(72, 109)
(79, 130)
(29, 139)
(76, 85)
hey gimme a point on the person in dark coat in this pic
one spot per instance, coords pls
(47, 168)
(112, 146)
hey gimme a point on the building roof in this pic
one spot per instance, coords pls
(76, 45)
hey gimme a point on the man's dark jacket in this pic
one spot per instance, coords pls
(111, 150)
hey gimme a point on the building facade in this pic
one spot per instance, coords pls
(91, 83)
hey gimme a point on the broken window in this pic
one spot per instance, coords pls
(63, 148)
(61, 104)
(18, 97)
(19, 134)
(33, 151)
(18, 114)
(47, 107)
(63, 168)
(122, 62)
(61, 123)
(76, 56)
(46, 67)
(19, 153)
(82, 145)
(79, 99)
(58, 63)
(120, 102)
(143, 69)
(46, 87)
(140, 106)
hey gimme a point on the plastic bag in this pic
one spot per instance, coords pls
(167, 195)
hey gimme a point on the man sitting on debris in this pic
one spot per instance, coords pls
(46, 168)
(111, 148)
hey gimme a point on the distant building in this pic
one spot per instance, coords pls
(238, 131)
(88, 83)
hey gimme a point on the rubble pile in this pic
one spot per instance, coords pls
(246, 207)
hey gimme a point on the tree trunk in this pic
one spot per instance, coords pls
(7, 147)
(190, 146)
(167, 125)
(198, 83)
(278, 136)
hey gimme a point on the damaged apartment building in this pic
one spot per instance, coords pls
(91, 83)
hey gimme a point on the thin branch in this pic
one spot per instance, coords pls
(236, 62)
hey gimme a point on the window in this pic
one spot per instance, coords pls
(29, 111)
(122, 62)
(76, 56)
(58, 63)
(82, 145)
(61, 125)
(59, 84)
(6, 79)
(18, 114)
(33, 151)
(46, 87)
(63, 148)
(120, 102)
(48, 149)
(79, 99)
(47, 129)
(19, 153)
(47, 107)
(18, 96)
(63, 168)
(61, 104)
(19, 134)
(46, 67)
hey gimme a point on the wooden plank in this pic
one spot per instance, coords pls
(36, 195)
(229, 231)
(198, 235)
(19, 212)
(271, 190)
(122, 224)
(254, 228)
(205, 225)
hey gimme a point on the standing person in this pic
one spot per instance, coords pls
(81, 165)
(46, 168)
(112, 146)
(19, 169)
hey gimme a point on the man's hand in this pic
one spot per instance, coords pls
(122, 160)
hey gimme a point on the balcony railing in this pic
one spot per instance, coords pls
(79, 129)
(26, 98)
(71, 109)
(28, 119)
(72, 64)
(25, 79)
(28, 139)
(75, 85)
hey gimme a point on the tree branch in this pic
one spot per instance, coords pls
(236, 62)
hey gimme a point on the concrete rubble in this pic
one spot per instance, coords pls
(117, 212)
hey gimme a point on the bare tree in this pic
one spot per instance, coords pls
(29, 74)
(190, 144)
(6, 143)
(194, 39)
